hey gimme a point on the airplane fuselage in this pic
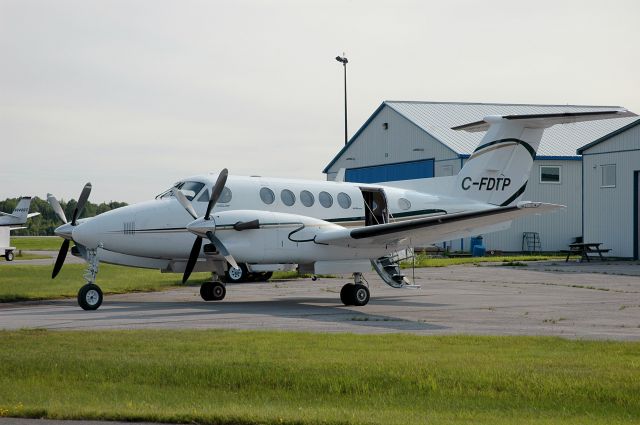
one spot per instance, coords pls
(290, 212)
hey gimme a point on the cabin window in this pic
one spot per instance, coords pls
(550, 174)
(267, 195)
(344, 200)
(287, 197)
(326, 200)
(225, 196)
(307, 198)
(404, 204)
(608, 175)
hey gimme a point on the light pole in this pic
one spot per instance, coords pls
(343, 59)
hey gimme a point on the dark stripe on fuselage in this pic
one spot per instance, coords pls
(421, 223)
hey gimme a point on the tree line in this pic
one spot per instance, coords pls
(45, 223)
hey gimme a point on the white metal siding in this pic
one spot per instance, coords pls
(556, 229)
(608, 212)
(375, 145)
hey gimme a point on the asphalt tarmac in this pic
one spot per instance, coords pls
(563, 299)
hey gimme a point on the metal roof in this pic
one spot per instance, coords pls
(608, 136)
(437, 118)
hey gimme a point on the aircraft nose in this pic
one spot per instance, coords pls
(65, 231)
(85, 233)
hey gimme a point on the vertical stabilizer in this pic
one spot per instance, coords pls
(498, 170)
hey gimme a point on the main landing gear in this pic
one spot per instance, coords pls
(356, 293)
(213, 290)
(90, 295)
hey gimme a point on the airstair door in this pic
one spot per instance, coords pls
(375, 206)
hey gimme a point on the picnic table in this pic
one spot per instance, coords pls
(584, 249)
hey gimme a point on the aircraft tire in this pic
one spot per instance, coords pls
(8, 255)
(90, 297)
(206, 291)
(360, 295)
(233, 275)
(218, 291)
(347, 294)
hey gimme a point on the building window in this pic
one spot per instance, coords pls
(306, 198)
(447, 170)
(288, 198)
(344, 200)
(608, 175)
(326, 200)
(267, 195)
(550, 174)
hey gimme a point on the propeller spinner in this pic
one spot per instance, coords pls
(65, 231)
(201, 227)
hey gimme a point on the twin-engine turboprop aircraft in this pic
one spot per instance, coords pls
(323, 226)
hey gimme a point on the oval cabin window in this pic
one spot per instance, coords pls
(267, 195)
(307, 198)
(326, 200)
(287, 197)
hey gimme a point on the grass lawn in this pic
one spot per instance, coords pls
(232, 377)
(36, 243)
(28, 282)
(424, 261)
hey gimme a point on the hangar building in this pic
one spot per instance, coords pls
(409, 140)
(611, 200)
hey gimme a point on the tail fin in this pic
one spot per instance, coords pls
(21, 210)
(498, 170)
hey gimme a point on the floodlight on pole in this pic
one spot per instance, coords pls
(343, 60)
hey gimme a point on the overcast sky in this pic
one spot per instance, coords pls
(134, 95)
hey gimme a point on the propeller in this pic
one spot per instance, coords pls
(65, 231)
(197, 244)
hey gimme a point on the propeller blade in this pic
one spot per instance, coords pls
(184, 202)
(193, 258)
(62, 255)
(84, 195)
(216, 191)
(247, 225)
(56, 207)
(222, 249)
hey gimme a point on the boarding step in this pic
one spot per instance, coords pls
(389, 271)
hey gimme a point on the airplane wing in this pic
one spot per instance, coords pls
(431, 229)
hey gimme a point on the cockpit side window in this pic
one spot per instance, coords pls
(190, 190)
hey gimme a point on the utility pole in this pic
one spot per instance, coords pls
(343, 59)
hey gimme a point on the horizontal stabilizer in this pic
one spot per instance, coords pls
(545, 120)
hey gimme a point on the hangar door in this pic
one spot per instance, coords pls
(390, 172)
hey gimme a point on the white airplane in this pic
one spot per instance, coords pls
(322, 226)
(13, 221)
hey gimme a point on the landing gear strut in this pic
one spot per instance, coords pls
(213, 290)
(90, 295)
(356, 293)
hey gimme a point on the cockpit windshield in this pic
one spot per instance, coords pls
(190, 190)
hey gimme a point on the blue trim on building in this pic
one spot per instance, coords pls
(408, 170)
(636, 215)
(558, 158)
(581, 150)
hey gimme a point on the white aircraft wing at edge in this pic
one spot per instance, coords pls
(431, 229)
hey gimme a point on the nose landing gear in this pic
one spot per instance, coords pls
(90, 295)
